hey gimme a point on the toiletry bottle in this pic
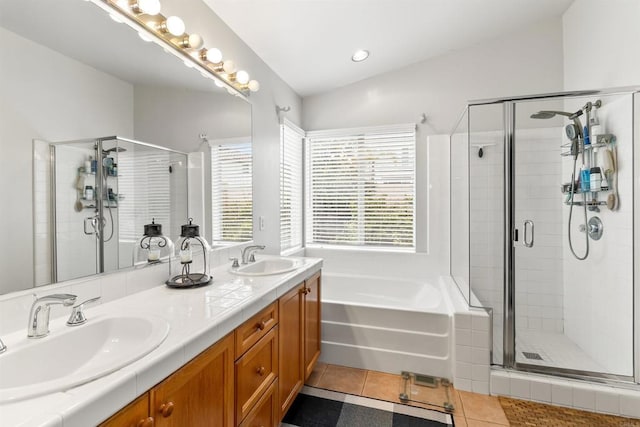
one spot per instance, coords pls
(585, 186)
(587, 137)
(595, 178)
(87, 165)
(94, 165)
(88, 192)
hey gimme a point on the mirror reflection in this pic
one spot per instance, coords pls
(70, 78)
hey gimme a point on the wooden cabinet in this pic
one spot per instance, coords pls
(291, 377)
(255, 372)
(312, 323)
(265, 413)
(200, 393)
(250, 378)
(135, 414)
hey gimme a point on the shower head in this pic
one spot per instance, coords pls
(547, 114)
(114, 149)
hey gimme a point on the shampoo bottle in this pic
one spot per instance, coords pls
(585, 184)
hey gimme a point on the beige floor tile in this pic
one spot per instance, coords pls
(459, 421)
(383, 386)
(315, 376)
(343, 379)
(482, 408)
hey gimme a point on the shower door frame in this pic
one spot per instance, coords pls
(509, 285)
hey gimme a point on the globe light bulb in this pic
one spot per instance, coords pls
(229, 67)
(195, 41)
(254, 85)
(214, 55)
(218, 83)
(145, 36)
(242, 77)
(149, 7)
(175, 26)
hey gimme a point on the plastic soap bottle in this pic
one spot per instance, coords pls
(585, 184)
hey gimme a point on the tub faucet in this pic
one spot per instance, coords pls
(38, 326)
(248, 253)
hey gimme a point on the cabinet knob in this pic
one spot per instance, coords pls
(260, 371)
(147, 422)
(262, 325)
(166, 409)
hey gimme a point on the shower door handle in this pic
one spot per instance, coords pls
(528, 236)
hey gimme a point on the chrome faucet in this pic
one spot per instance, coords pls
(248, 253)
(38, 326)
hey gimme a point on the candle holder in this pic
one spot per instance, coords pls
(152, 247)
(190, 247)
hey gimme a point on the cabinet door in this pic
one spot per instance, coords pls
(291, 347)
(255, 371)
(200, 393)
(135, 414)
(265, 413)
(312, 325)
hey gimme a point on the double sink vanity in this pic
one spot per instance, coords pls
(233, 353)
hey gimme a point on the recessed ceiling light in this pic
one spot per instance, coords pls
(360, 55)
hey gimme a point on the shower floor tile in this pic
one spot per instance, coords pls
(555, 350)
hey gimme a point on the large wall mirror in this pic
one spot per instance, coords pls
(76, 89)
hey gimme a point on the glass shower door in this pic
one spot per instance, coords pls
(572, 264)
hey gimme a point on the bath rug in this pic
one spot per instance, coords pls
(315, 407)
(532, 414)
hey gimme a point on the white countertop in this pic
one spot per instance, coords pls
(197, 317)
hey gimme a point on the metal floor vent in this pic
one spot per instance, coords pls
(532, 356)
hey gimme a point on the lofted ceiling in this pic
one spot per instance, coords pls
(309, 43)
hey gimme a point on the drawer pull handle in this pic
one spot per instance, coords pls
(166, 409)
(262, 325)
(260, 371)
(147, 422)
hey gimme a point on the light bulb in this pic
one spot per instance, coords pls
(175, 26)
(116, 18)
(214, 55)
(195, 41)
(229, 67)
(242, 77)
(188, 64)
(254, 85)
(149, 7)
(218, 83)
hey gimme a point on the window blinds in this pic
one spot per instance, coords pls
(231, 191)
(143, 192)
(291, 186)
(360, 187)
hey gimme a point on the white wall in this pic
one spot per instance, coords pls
(266, 131)
(440, 88)
(601, 40)
(65, 100)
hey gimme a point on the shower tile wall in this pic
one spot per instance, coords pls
(539, 290)
(486, 200)
(42, 223)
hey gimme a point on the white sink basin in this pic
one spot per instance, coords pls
(76, 355)
(266, 267)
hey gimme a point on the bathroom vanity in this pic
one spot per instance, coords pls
(237, 354)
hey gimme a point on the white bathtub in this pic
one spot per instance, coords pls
(388, 325)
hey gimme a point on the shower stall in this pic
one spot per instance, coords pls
(93, 197)
(544, 198)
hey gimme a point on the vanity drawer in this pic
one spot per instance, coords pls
(265, 413)
(255, 371)
(255, 328)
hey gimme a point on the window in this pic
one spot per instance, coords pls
(143, 188)
(231, 204)
(360, 187)
(291, 186)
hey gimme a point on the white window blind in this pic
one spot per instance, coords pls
(231, 203)
(291, 186)
(143, 188)
(361, 187)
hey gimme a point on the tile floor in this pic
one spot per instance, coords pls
(471, 409)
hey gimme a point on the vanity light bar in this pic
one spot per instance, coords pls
(170, 31)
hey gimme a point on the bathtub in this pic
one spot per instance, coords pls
(389, 325)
